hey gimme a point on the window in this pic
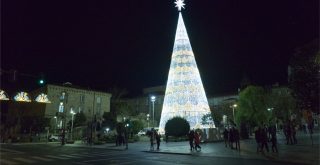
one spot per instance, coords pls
(99, 100)
(61, 107)
(99, 105)
(82, 98)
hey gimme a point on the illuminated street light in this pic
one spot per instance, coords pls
(233, 107)
(107, 129)
(72, 113)
(270, 109)
(153, 99)
(148, 119)
(55, 126)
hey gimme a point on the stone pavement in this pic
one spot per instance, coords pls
(303, 152)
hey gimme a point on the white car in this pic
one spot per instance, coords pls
(141, 133)
(53, 138)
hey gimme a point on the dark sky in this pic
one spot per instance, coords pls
(128, 43)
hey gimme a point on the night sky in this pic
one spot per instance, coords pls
(128, 43)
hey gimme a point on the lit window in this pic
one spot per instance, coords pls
(82, 98)
(61, 107)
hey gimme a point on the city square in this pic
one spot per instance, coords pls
(176, 82)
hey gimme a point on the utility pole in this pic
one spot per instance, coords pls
(93, 116)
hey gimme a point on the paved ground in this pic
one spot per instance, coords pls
(303, 152)
(169, 153)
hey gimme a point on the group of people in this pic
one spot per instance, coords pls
(154, 137)
(231, 135)
(263, 135)
(122, 138)
(290, 131)
(194, 140)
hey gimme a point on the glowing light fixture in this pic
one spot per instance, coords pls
(185, 96)
(22, 96)
(179, 4)
(42, 98)
(3, 95)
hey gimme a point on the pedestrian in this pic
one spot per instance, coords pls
(264, 139)
(158, 139)
(288, 131)
(167, 137)
(225, 136)
(294, 131)
(126, 137)
(231, 138)
(274, 142)
(197, 140)
(191, 137)
(152, 139)
(236, 138)
(257, 136)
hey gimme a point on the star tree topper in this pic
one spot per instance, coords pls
(179, 4)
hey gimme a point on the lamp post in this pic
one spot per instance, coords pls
(148, 119)
(72, 113)
(55, 126)
(63, 102)
(233, 107)
(153, 99)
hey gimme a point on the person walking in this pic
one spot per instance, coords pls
(231, 138)
(236, 138)
(225, 136)
(294, 132)
(191, 137)
(274, 142)
(197, 141)
(152, 139)
(264, 139)
(158, 139)
(257, 136)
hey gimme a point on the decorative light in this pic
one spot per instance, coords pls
(3, 95)
(22, 96)
(179, 4)
(185, 96)
(42, 98)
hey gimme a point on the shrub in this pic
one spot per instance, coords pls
(177, 126)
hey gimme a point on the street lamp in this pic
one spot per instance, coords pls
(148, 119)
(107, 129)
(55, 126)
(233, 107)
(72, 113)
(153, 99)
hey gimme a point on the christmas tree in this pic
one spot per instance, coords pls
(185, 96)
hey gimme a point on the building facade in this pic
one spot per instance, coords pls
(67, 98)
(64, 99)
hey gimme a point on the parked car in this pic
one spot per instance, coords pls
(54, 138)
(142, 133)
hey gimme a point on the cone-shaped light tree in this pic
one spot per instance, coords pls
(185, 96)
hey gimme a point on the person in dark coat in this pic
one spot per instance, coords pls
(197, 140)
(257, 136)
(126, 137)
(231, 138)
(274, 142)
(152, 137)
(225, 136)
(264, 139)
(191, 138)
(158, 139)
(236, 135)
